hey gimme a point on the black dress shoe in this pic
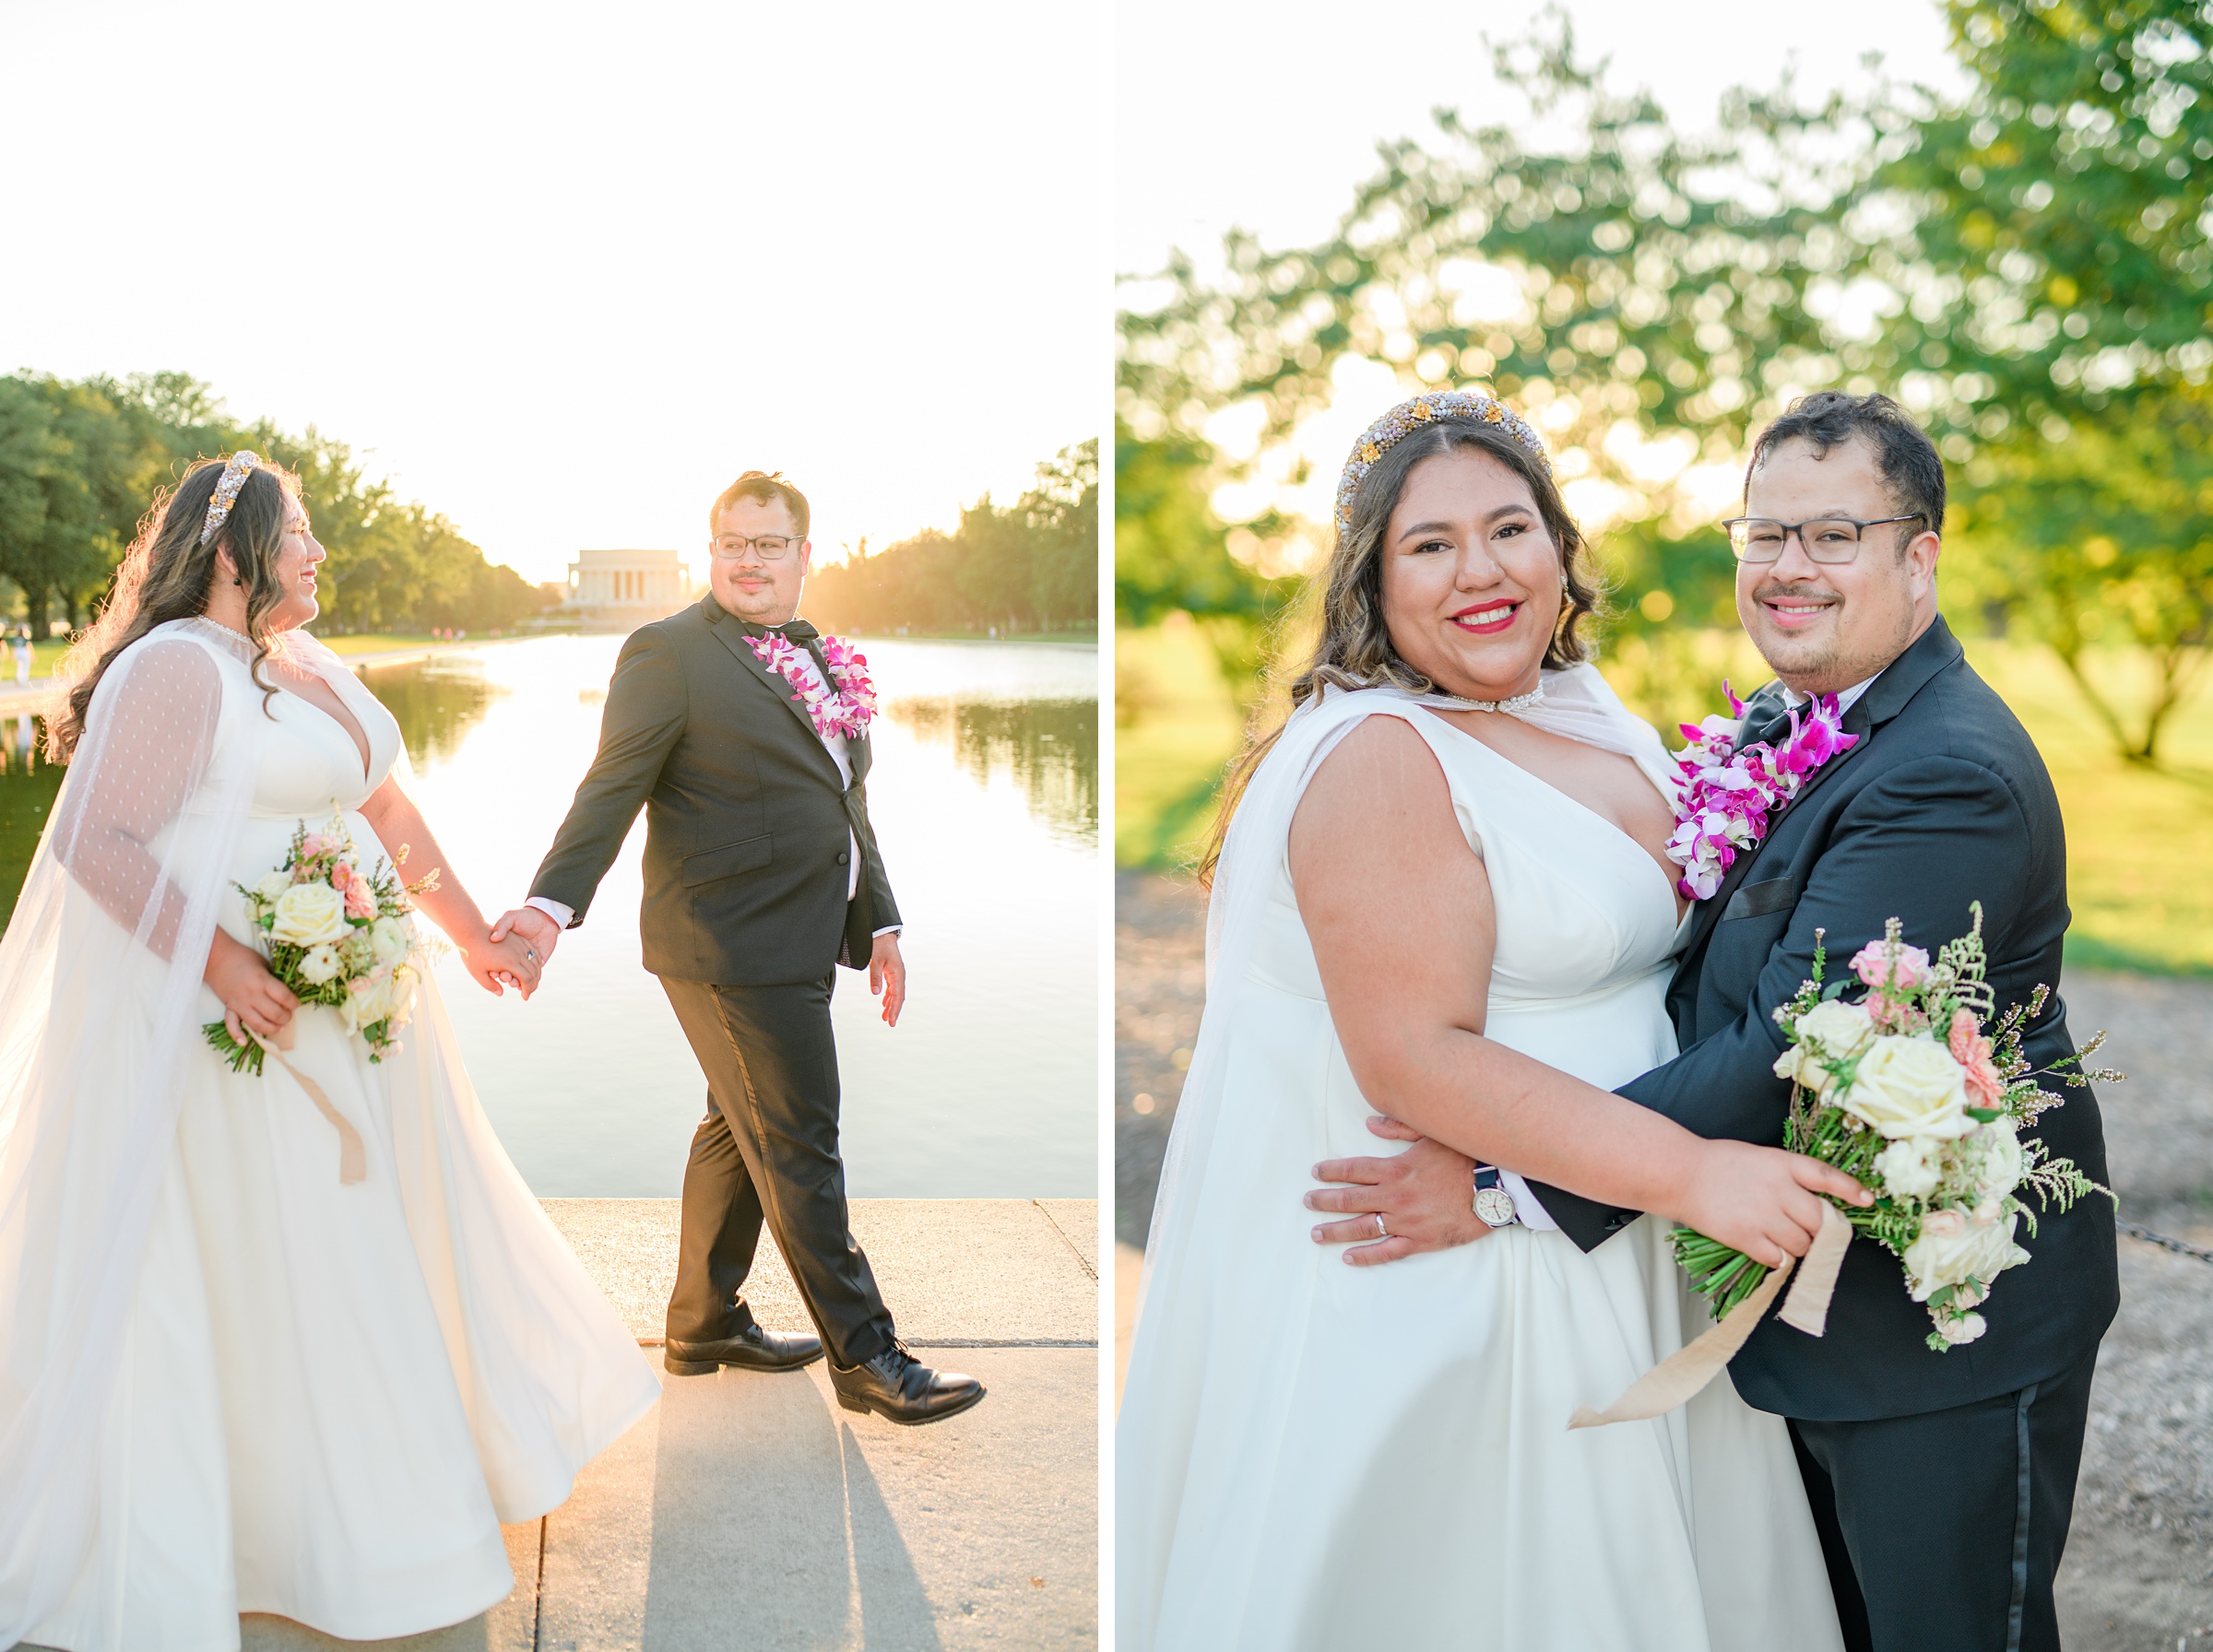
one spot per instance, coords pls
(896, 1385)
(752, 1349)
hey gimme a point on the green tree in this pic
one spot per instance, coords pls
(1031, 566)
(2026, 266)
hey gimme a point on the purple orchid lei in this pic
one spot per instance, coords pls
(845, 707)
(1729, 795)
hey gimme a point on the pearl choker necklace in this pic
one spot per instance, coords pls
(1519, 703)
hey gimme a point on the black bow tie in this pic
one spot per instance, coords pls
(791, 630)
(1766, 718)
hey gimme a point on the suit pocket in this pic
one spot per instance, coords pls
(708, 865)
(1757, 900)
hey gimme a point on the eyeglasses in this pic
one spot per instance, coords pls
(768, 548)
(1830, 539)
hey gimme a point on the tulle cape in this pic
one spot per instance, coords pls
(101, 994)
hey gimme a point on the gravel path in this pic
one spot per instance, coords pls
(2138, 1576)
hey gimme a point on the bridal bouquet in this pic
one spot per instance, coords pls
(1912, 1092)
(333, 937)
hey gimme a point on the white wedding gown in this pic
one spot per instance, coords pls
(327, 1398)
(1318, 1456)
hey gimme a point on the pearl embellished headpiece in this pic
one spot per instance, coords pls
(1410, 415)
(242, 465)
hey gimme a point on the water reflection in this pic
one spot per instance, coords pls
(435, 701)
(1049, 748)
(985, 794)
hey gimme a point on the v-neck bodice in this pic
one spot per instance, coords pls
(306, 762)
(1582, 909)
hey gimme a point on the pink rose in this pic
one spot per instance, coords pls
(1943, 1225)
(361, 898)
(1872, 964)
(1971, 1051)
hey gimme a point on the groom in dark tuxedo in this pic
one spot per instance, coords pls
(1942, 1484)
(761, 876)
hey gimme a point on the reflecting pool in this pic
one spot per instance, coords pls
(985, 794)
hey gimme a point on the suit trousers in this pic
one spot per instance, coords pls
(1943, 1532)
(767, 1151)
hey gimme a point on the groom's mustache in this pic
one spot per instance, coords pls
(1798, 593)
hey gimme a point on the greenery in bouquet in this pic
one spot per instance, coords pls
(1913, 1091)
(334, 935)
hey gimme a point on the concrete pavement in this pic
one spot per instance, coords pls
(750, 1510)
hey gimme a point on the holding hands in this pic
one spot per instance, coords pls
(516, 950)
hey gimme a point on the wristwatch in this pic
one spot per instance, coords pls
(1494, 1204)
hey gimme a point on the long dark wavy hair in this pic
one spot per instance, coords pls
(168, 575)
(1356, 650)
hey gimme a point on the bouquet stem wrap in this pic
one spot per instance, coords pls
(1679, 1376)
(353, 1156)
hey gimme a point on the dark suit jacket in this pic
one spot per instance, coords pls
(749, 828)
(1943, 802)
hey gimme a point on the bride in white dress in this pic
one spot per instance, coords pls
(230, 1382)
(1448, 860)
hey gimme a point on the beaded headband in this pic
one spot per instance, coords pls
(1408, 416)
(242, 465)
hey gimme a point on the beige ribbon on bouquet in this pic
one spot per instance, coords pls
(1674, 1379)
(353, 1157)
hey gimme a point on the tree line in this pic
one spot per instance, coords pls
(1031, 566)
(80, 461)
(2028, 266)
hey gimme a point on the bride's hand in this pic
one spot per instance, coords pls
(496, 966)
(1761, 1201)
(250, 993)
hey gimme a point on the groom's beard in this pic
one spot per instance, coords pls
(1829, 654)
(764, 606)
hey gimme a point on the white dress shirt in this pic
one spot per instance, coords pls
(836, 746)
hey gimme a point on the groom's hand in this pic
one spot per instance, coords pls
(887, 976)
(1425, 1197)
(538, 931)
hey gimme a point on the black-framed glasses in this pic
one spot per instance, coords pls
(1830, 539)
(768, 548)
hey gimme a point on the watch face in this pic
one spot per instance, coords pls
(1494, 1205)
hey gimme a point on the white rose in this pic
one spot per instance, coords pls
(310, 913)
(368, 1001)
(1951, 1250)
(401, 996)
(1802, 1065)
(271, 889)
(1909, 1086)
(1840, 1029)
(2003, 1159)
(320, 964)
(1911, 1166)
(390, 941)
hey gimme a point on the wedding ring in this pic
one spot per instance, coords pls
(531, 953)
(1381, 1232)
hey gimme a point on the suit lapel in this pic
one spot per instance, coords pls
(1884, 698)
(728, 633)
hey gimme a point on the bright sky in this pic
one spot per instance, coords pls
(562, 271)
(1268, 118)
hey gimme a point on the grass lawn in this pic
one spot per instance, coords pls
(2139, 840)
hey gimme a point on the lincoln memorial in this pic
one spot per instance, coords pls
(620, 590)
